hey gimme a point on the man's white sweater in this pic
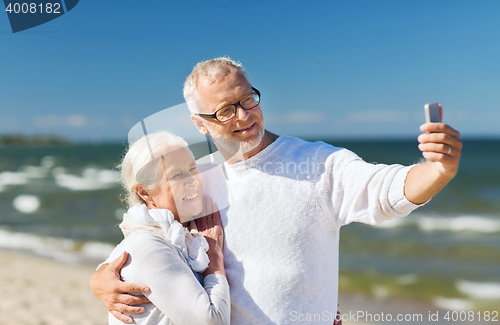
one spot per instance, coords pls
(286, 207)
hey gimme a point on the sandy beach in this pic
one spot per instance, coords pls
(41, 291)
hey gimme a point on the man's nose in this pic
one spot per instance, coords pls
(241, 114)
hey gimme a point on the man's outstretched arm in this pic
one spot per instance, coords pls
(106, 284)
(442, 148)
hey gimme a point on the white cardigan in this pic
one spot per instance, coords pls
(162, 255)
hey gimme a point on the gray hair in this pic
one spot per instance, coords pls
(210, 69)
(142, 163)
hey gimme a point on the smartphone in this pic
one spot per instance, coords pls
(432, 114)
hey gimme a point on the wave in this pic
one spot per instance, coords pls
(63, 250)
(465, 223)
(479, 290)
(26, 172)
(469, 223)
(13, 178)
(91, 178)
(452, 304)
(26, 203)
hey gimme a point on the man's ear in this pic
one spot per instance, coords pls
(198, 122)
(145, 195)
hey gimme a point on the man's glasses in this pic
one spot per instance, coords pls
(226, 113)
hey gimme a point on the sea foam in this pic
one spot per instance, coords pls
(92, 179)
(463, 223)
(479, 290)
(452, 304)
(26, 203)
(13, 178)
(470, 223)
(26, 172)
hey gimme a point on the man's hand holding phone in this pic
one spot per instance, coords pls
(440, 143)
(441, 147)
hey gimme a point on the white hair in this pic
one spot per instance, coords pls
(142, 163)
(210, 69)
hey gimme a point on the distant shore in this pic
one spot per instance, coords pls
(21, 140)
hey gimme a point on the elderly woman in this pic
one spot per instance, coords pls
(164, 192)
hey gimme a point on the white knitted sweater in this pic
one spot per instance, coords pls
(286, 207)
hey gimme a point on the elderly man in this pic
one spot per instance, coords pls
(288, 199)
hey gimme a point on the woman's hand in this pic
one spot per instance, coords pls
(210, 227)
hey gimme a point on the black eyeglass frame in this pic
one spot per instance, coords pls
(214, 115)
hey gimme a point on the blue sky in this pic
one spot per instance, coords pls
(336, 69)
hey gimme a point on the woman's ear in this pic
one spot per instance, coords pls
(145, 195)
(198, 122)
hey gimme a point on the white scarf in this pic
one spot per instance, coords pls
(193, 245)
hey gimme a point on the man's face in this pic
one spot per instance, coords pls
(246, 129)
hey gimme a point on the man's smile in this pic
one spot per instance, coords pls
(246, 129)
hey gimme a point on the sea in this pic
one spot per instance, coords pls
(64, 202)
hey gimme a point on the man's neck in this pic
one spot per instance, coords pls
(232, 158)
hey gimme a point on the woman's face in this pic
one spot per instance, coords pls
(183, 193)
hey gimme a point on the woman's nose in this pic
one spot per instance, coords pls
(192, 180)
